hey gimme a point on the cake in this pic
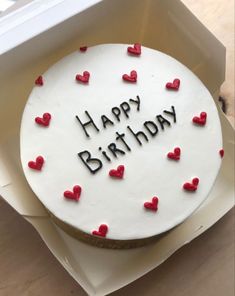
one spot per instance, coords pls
(120, 143)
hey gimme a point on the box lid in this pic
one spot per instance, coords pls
(35, 18)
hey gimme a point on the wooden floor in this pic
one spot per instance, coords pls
(204, 267)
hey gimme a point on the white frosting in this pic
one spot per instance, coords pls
(148, 172)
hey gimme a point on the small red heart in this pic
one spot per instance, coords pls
(135, 50)
(75, 194)
(221, 152)
(130, 78)
(36, 165)
(173, 85)
(44, 120)
(174, 155)
(152, 205)
(83, 48)
(200, 120)
(83, 78)
(103, 229)
(191, 186)
(118, 173)
(39, 81)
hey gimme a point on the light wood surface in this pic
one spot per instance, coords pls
(204, 267)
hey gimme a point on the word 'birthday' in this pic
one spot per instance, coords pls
(121, 145)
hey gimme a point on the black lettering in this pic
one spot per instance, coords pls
(151, 128)
(163, 121)
(173, 113)
(106, 120)
(104, 154)
(113, 148)
(93, 164)
(116, 112)
(138, 134)
(121, 138)
(137, 102)
(125, 108)
(90, 122)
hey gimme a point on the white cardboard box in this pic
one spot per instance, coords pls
(37, 35)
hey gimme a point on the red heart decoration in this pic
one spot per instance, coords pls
(152, 205)
(130, 78)
(75, 194)
(173, 85)
(221, 152)
(135, 50)
(103, 229)
(39, 81)
(118, 173)
(83, 48)
(44, 120)
(200, 120)
(36, 165)
(83, 78)
(174, 155)
(191, 186)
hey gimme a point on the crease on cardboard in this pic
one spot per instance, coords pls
(176, 21)
(4, 175)
(145, 14)
(5, 178)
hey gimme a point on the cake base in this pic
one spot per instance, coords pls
(104, 242)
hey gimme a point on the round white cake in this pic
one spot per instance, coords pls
(120, 143)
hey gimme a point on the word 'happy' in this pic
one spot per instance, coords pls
(121, 145)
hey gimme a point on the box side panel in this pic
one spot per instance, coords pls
(173, 29)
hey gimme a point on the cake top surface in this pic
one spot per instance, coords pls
(122, 143)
